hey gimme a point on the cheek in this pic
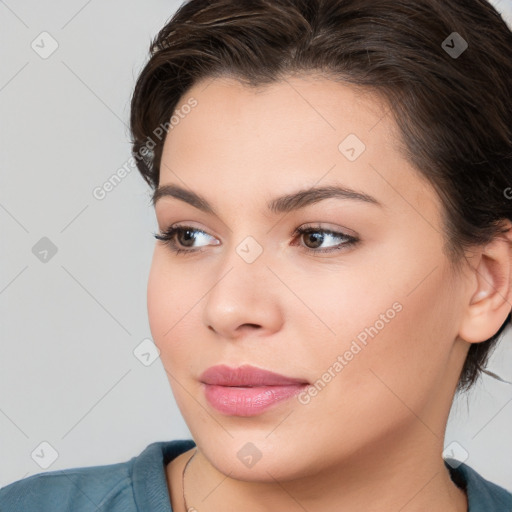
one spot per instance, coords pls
(395, 319)
(405, 352)
(158, 301)
(170, 301)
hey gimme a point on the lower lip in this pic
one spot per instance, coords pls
(240, 401)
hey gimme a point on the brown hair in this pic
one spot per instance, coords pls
(454, 112)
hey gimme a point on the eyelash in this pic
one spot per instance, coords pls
(168, 238)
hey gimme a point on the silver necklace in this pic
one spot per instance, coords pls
(183, 481)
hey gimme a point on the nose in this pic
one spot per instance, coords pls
(243, 299)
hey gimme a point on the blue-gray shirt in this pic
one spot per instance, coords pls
(140, 485)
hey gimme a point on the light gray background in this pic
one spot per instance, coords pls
(68, 374)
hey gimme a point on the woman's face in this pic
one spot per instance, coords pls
(371, 325)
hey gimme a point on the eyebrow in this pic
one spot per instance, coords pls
(283, 204)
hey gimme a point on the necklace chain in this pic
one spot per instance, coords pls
(183, 480)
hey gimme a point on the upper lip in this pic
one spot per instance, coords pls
(246, 375)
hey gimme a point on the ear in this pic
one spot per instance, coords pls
(490, 300)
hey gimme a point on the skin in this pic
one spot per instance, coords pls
(372, 438)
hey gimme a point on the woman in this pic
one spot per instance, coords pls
(332, 183)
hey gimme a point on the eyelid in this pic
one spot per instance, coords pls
(327, 227)
(184, 225)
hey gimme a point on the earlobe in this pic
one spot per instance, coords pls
(491, 298)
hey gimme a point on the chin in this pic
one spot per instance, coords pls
(256, 460)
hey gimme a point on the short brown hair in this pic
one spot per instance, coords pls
(454, 112)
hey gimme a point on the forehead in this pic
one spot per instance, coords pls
(312, 97)
(299, 131)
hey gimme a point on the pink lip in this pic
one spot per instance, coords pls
(247, 390)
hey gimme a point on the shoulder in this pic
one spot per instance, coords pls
(123, 487)
(483, 495)
(105, 487)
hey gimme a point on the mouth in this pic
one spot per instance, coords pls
(247, 390)
(246, 376)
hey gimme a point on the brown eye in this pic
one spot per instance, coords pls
(180, 239)
(185, 236)
(313, 239)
